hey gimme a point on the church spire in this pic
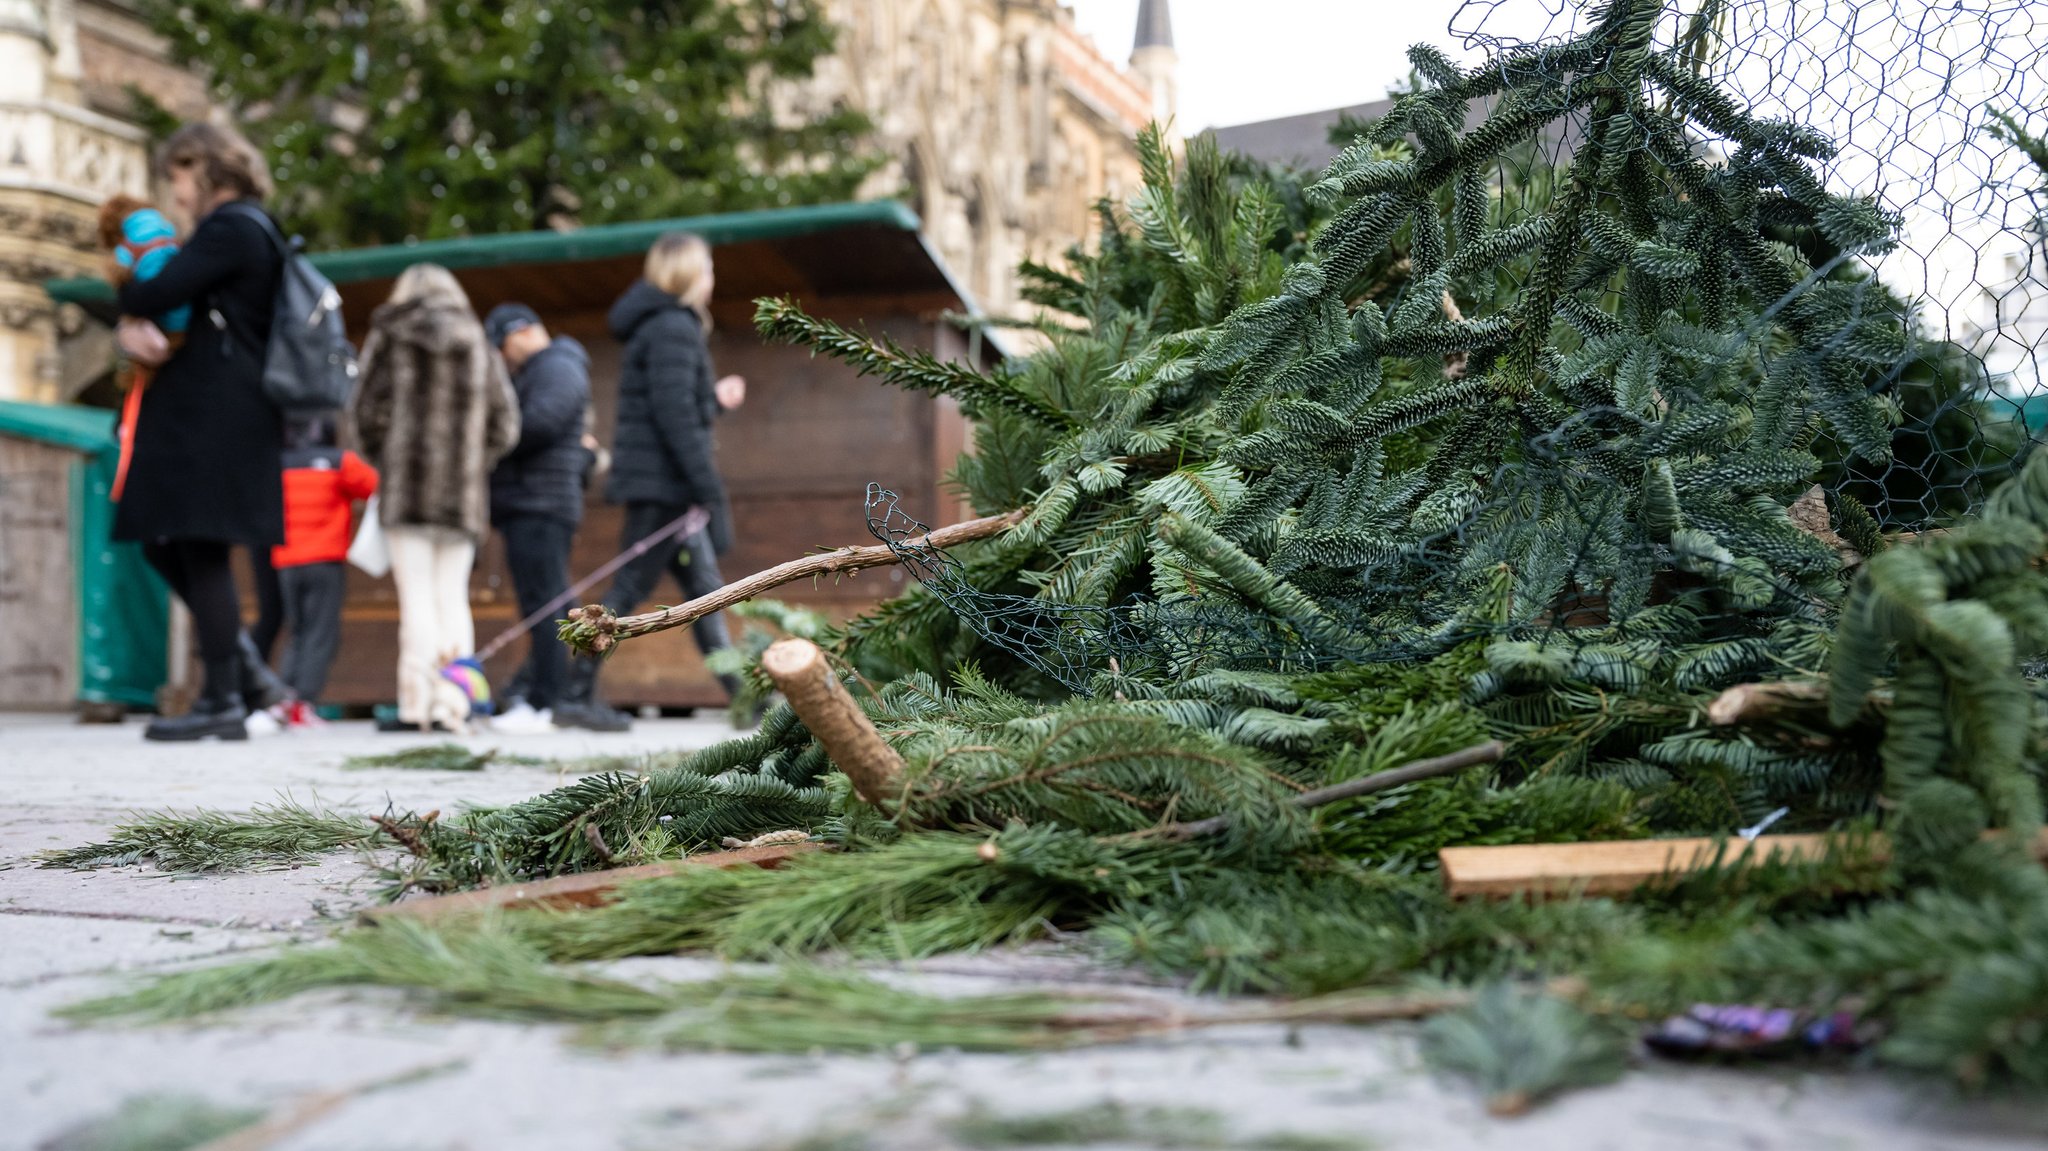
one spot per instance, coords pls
(1153, 59)
(1155, 27)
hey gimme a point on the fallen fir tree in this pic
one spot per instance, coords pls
(1455, 445)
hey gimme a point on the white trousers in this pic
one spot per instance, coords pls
(431, 567)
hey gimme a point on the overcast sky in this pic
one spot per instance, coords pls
(1905, 95)
(1242, 60)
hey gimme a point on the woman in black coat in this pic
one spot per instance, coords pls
(206, 473)
(663, 462)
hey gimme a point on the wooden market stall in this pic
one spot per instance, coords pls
(85, 620)
(797, 457)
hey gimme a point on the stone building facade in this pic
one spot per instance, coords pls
(65, 145)
(1003, 125)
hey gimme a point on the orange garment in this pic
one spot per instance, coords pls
(316, 508)
(131, 411)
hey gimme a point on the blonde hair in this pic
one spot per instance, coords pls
(678, 264)
(428, 282)
(220, 157)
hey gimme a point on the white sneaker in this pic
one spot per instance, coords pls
(262, 723)
(523, 718)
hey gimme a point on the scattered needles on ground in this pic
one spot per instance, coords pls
(439, 757)
(155, 1122)
(281, 834)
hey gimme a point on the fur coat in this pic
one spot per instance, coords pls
(434, 412)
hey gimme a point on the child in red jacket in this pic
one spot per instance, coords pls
(321, 483)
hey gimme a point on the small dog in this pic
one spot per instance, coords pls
(138, 241)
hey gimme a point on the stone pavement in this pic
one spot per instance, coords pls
(465, 1084)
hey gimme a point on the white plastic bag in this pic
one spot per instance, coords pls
(369, 551)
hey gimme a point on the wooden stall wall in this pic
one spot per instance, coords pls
(38, 579)
(797, 458)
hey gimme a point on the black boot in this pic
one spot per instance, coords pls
(262, 688)
(217, 714)
(580, 685)
(579, 706)
(750, 718)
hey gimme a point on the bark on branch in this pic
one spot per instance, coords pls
(1454, 364)
(595, 630)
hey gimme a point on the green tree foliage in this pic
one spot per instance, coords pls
(387, 120)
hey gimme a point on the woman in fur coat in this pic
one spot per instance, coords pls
(434, 413)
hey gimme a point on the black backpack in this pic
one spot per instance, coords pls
(309, 366)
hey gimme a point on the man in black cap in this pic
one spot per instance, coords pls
(537, 499)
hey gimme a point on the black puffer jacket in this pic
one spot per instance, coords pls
(206, 463)
(543, 473)
(661, 449)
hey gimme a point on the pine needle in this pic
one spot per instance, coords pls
(275, 835)
(927, 894)
(439, 757)
(155, 1123)
(1520, 1047)
(488, 970)
(1113, 1123)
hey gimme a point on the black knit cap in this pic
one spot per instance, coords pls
(506, 319)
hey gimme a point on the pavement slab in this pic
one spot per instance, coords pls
(364, 1069)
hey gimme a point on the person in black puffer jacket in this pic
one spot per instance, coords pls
(662, 456)
(537, 495)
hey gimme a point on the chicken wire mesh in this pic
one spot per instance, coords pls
(1075, 644)
(1919, 98)
(1926, 105)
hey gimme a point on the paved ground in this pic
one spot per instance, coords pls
(65, 935)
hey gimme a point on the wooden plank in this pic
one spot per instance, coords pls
(38, 578)
(587, 889)
(1604, 868)
(1621, 866)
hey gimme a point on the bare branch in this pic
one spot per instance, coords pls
(1488, 752)
(595, 630)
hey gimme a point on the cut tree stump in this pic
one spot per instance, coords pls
(586, 889)
(1760, 702)
(805, 678)
(1621, 866)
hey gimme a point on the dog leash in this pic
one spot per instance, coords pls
(687, 524)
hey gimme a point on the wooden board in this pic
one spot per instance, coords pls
(38, 577)
(1621, 866)
(587, 889)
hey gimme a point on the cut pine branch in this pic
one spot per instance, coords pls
(781, 319)
(1457, 761)
(595, 630)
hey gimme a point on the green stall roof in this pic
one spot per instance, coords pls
(598, 242)
(65, 425)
